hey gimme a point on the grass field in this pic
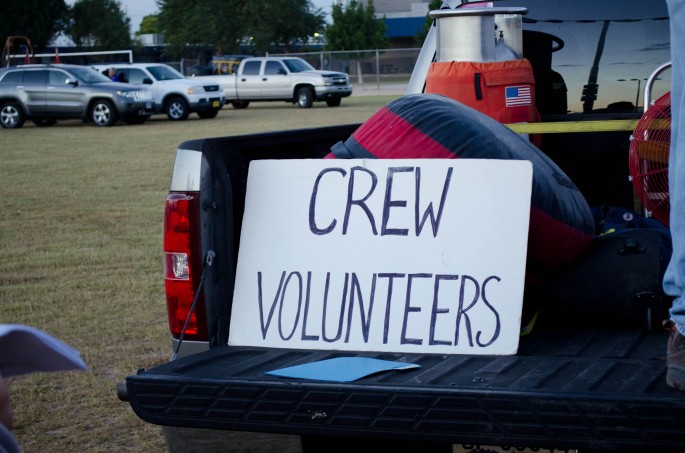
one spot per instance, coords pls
(80, 258)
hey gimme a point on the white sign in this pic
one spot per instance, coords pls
(420, 255)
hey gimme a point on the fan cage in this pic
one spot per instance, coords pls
(648, 159)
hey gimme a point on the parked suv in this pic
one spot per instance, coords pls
(173, 94)
(45, 93)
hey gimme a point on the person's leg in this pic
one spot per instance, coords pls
(674, 279)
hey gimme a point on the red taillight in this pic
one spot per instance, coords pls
(183, 265)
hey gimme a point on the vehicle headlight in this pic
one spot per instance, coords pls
(196, 90)
(126, 94)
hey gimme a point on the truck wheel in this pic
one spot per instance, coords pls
(305, 98)
(176, 109)
(11, 116)
(335, 102)
(207, 114)
(240, 104)
(102, 113)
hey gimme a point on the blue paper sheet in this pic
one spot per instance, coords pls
(341, 369)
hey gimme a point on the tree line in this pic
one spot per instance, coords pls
(226, 25)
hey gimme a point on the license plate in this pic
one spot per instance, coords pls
(215, 104)
(148, 105)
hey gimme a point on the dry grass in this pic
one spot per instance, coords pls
(80, 257)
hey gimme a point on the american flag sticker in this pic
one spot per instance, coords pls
(517, 95)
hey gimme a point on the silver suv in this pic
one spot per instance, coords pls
(45, 93)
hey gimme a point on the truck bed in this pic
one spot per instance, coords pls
(583, 389)
(568, 387)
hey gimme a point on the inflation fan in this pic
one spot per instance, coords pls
(648, 159)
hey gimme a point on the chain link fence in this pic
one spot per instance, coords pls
(374, 66)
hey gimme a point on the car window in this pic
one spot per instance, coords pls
(12, 77)
(164, 73)
(251, 68)
(87, 74)
(601, 50)
(136, 75)
(57, 77)
(36, 76)
(297, 65)
(274, 67)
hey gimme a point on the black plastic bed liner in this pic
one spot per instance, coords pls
(590, 389)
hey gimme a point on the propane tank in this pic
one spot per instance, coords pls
(479, 34)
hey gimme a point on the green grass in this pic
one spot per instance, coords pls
(80, 258)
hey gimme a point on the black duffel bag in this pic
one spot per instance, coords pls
(617, 282)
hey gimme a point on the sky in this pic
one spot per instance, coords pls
(137, 9)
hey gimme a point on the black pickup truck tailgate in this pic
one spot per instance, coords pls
(587, 389)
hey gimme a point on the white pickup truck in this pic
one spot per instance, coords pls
(289, 79)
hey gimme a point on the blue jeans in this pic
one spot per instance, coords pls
(674, 280)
